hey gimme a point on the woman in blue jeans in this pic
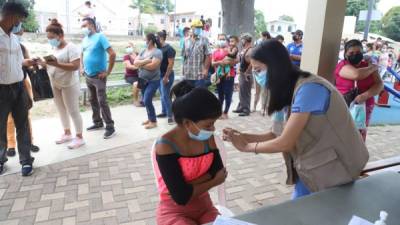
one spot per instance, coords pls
(149, 62)
(167, 76)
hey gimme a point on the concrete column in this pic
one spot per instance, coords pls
(322, 36)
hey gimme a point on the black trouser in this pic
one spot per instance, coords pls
(15, 99)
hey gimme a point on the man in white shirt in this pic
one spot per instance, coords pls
(88, 11)
(13, 96)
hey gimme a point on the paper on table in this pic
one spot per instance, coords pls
(355, 220)
(229, 221)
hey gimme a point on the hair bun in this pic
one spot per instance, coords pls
(55, 22)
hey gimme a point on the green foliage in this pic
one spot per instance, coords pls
(30, 24)
(259, 22)
(375, 27)
(150, 29)
(391, 23)
(286, 18)
(152, 6)
(354, 7)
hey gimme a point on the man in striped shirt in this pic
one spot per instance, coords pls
(196, 56)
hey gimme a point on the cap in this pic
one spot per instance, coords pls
(196, 23)
(298, 32)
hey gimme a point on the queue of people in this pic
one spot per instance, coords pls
(63, 68)
(311, 135)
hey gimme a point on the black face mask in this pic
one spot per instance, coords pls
(355, 59)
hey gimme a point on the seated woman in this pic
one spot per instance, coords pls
(353, 72)
(131, 72)
(317, 129)
(186, 160)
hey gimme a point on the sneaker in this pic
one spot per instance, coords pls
(237, 111)
(35, 148)
(150, 125)
(95, 127)
(76, 143)
(11, 152)
(171, 121)
(64, 139)
(109, 133)
(161, 115)
(2, 169)
(27, 170)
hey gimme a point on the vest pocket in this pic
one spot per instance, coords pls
(323, 170)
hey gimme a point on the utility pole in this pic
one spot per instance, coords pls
(368, 20)
(174, 19)
(67, 15)
(166, 21)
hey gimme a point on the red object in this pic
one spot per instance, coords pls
(396, 85)
(383, 99)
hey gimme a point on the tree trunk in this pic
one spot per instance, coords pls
(237, 16)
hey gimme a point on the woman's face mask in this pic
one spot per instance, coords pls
(129, 50)
(355, 59)
(261, 77)
(203, 135)
(54, 42)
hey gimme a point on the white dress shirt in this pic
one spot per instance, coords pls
(11, 59)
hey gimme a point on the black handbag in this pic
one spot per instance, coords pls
(350, 96)
(41, 86)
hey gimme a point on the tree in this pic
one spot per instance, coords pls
(354, 7)
(238, 16)
(286, 18)
(30, 24)
(391, 23)
(259, 22)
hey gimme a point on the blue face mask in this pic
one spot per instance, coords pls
(261, 77)
(129, 50)
(85, 31)
(221, 43)
(17, 28)
(203, 135)
(197, 31)
(54, 42)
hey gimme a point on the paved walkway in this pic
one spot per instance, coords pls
(116, 186)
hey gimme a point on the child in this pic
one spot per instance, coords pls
(232, 55)
(186, 161)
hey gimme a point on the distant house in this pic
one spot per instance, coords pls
(112, 15)
(281, 27)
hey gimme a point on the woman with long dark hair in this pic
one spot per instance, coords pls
(149, 62)
(318, 132)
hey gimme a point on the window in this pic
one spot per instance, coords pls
(162, 21)
(272, 28)
(279, 29)
(183, 20)
(290, 29)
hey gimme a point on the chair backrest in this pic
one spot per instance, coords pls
(221, 188)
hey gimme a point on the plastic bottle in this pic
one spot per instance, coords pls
(382, 218)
